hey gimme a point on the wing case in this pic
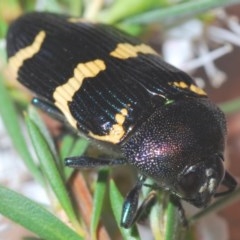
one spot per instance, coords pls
(104, 81)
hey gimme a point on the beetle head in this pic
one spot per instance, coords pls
(198, 183)
(180, 146)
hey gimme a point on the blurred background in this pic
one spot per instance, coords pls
(199, 37)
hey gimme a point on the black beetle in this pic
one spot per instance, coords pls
(118, 92)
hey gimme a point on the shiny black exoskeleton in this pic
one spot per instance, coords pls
(119, 93)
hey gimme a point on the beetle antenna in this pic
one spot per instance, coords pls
(228, 182)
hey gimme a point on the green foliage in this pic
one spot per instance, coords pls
(34, 217)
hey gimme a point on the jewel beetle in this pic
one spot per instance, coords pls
(118, 92)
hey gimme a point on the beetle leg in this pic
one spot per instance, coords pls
(131, 213)
(228, 182)
(89, 162)
(48, 108)
(176, 201)
(130, 205)
(145, 207)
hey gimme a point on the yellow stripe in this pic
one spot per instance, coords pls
(117, 131)
(127, 50)
(63, 94)
(16, 61)
(192, 87)
(197, 90)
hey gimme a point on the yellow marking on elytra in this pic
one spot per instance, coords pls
(120, 117)
(17, 60)
(183, 85)
(116, 132)
(197, 90)
(64, 93)
(127, 50)
(192, 87)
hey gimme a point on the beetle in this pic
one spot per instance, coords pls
(118, 92)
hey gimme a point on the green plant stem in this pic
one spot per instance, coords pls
(172, 222)
(11, 121)
(51, 171)
(123, 9)
(186, 9)
(34, 217)
(98, 200)
(75, 7)
(156, 222)
(230, 106)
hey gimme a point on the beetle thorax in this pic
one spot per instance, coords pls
(174, 137)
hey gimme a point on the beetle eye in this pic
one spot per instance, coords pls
(189, 183)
